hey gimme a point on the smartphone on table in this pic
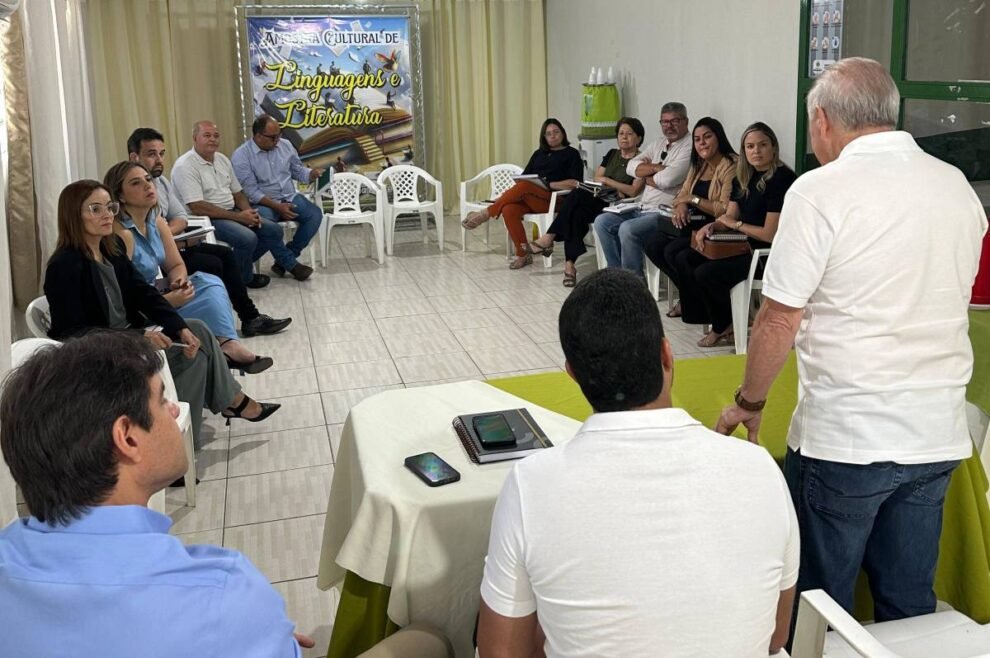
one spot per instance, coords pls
(431, 469)
(493, 431)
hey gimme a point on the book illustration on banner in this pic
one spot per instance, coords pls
(340, 87)
(536, 179)
(497, 436)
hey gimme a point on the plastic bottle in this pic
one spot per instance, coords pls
(592, 77)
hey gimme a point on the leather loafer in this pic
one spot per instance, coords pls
(259, 281)
(299, 271)
(264, 325)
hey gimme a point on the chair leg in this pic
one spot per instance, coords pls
(191, 469)
(438, 216)
(740, 316)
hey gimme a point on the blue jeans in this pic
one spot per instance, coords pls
(623, 237)
(885, 517)
(309, 220)
(249, 244)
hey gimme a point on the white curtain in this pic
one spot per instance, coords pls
(8, 502)
(64, 144)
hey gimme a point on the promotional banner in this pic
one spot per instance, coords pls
(343, 88)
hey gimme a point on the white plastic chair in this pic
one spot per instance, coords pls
(185, 425)
(345, 194)
(947, 634)
(542, 222)
(289, 227)
(499, 180)
(403, 182)
(39, 317)
(741, 297)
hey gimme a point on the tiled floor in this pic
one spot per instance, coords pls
(359, 328)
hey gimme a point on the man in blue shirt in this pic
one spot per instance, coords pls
(266, 166)
(89, 436)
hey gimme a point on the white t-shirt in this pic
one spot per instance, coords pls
(645, 535)
(880, 248)
(677, 158)
(197, 179)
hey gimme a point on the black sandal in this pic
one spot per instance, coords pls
(267, 409)
(570, 279)
(536, 249)
(260, 364)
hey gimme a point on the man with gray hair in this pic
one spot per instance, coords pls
(664, 164)
(869, 277)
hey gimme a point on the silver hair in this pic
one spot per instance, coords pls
(674, 108)
(856, 93)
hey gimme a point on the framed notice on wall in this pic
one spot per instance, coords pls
(344, 83)
(825, 39)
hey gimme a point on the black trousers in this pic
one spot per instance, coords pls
(662, 250)
(219, 261)
(705, 285)
(577, 212)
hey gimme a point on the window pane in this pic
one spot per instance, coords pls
(848, 28)
(947, 40)
(956, 132)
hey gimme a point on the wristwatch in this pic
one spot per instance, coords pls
(695, 200)
(746, 405)
(738, 225)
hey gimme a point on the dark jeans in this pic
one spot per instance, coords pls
(576, 214)
(705, 284)
(219, 261)
(885, 517)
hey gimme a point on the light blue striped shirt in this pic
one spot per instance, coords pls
(268, 173)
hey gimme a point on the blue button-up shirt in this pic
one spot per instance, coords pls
(115, 583)
(268, 173)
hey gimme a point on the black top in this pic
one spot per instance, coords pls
(555, 166)
(700, 190)
(753, 208)
(78, 300)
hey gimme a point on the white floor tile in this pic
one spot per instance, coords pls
(507, 359)
(336, 314)
(277, 495)
(400, 308)
(344, 331)
(297, 411)
(336, 404)
(508, 335)
(279, 451)
(287, 549)
(312, 610)
(422, 344)
(279, 383)
(485, 317)
(443, 366)
(392, 293)
(350, 351)
(209, 510)
(343, 376)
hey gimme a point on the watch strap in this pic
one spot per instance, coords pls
(746, 405)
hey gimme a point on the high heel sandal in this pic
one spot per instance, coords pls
(520, 262)
(536, 249)
(260, 364)
(267, 409)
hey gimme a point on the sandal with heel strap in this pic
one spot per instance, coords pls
(267, 409)
(259, 364)
(536, 249)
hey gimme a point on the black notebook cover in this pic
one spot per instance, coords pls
(529, 437)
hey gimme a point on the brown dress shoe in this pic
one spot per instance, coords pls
(301, 272)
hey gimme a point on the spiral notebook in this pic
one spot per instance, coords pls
(529, 437)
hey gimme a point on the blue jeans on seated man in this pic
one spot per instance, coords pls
(884, 516)
(249, 244)
(623, 237)
(309, 218)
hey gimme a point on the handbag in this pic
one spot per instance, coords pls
(722, 245)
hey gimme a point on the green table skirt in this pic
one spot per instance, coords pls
(703, 387)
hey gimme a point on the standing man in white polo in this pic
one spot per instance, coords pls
(870, 276)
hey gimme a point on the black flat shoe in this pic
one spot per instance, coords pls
(267, 409)
(258, 281)
(260, 364)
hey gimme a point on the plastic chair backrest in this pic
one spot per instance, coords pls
(404, 180)
(39, 317)
(501, 180)
(346, 191)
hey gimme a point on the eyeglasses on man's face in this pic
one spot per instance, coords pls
(274, 137)
(666, 123)
(98, 208)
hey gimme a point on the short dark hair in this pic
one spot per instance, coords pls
(57, 411)
(142, 135)
(634, 124)
(611, 334)
(259, 124)
(544, 146)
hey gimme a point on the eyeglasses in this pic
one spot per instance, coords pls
(663, 156)
(274, 137)
(98, 208)
(671, 122)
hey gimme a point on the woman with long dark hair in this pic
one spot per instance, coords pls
(558, 166)
(90, 283)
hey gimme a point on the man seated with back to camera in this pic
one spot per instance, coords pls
(146, 146)
(646, 531)
(89, 437)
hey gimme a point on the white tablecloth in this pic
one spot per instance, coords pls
(384, 524)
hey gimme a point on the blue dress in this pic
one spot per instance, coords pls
(210, 303)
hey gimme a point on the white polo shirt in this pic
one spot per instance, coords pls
(880, 248)
(645, 535)
(677, 158)
(197, 179)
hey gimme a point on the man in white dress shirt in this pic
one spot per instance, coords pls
(646, 534)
